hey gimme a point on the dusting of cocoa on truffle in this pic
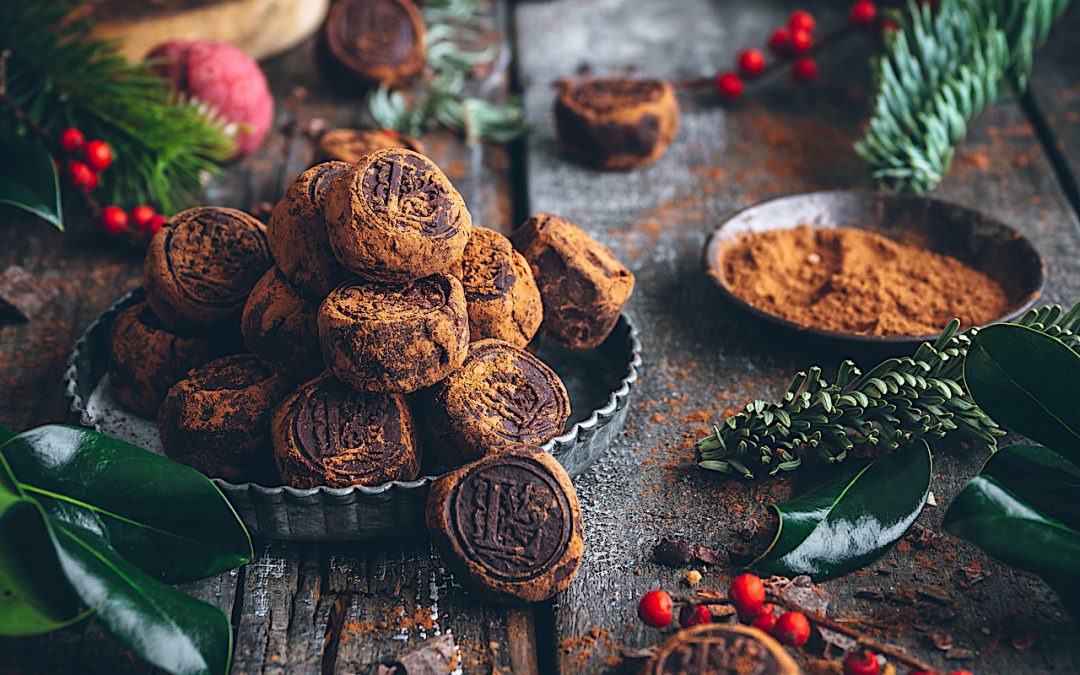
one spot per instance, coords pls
(278, 325)
(504, 301)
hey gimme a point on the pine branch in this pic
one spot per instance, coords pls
(899, 400)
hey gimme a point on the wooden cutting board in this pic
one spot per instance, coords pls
(261, 28)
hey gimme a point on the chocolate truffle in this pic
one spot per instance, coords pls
(279, 326)
(502, 398)
(326, 433)
(217, 420)
(583, 286)
(394, 338)
(508, 525)
(616, 123)
(723, 649)
(377, 40)
(297, 233)
(201, 266)
(349, 145)
(395, 217)
(504, 302)
(146, 359)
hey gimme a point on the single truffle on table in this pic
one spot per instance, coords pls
(349, 145)
(395, 217)
(145, 359)
(721, 648)
(377, 40)
(583, 286)
(504, 301)
(394, 338)
(217, 420)
(501, 398)
(616, 123)
(201, 266)
(279, 327)
(297, 234)
(327, 433)
(508, 525)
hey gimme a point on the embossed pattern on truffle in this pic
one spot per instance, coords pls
(278, 325)
(724, 649)
(350, 145)
(504, 301)
(377, 40)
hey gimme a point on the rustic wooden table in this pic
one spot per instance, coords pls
(336, 608)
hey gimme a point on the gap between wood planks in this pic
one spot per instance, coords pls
(1051, 146)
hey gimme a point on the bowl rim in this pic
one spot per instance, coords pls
(716, 238)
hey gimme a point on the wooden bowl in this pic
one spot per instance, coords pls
(978, 240)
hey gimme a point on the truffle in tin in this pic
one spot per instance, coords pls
(504, 302)
(278, 325)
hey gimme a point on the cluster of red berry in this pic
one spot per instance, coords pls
(747, 595)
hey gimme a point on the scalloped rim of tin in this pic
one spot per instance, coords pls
(598, 418)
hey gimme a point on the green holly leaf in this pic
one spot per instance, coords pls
(29, 180)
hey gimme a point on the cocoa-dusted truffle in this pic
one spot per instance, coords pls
(349, 145)
(201, 266)
(377, 40)
(297, 233)
(721, 648)
(326, 433)
(146, 359)
(616, 123)
(504, 302)
(395, 217)
(394, 337)
(217, 420)
(583, 286)
(502, 397)
(508, 525)
(279, 326)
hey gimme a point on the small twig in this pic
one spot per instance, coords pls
(19, 113)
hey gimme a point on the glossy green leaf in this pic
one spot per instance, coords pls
(851, 519)
(28, 180)
(168, 628)
(1027, 381)
(164, 517)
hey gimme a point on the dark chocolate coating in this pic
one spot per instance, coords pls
(201, 266)
(721, 649)
(509, 525)
(326, 433)
(145, 359)
(504, 301)
(349, 145)
(279, 326)
(377, 40)
(217, 420)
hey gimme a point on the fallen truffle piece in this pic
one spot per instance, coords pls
(201, 266)
(326, 433)
(297, 234)
(508, 525)
(377, 40)
(395, 217)
(616, 123)
(145, 359)
(349, 145)
(504, 302)
(279, 326)
(395, 338)
(502, 398)
(21, 295)
(217, 420)
(721, 649)
(583, 286)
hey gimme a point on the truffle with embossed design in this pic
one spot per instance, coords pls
(376, 40)
(394, 338)
(278, 325)
(350, 145)
(394, 217)
(501, 398)
(616, 123)
(201, 266)
(721, 649)
(327, 433)
(504, 302)
(508, 525)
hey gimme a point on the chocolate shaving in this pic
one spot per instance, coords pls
(681, 552)
(959, 654)
(924, 538)
(21, 296)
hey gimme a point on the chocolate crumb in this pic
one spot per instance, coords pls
(21, 296)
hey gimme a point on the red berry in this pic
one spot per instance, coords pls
(863, 13)
(98, 154)
(154, 225)
(801, 41)
(959, 672)
(766, 620)
(71, 140)
(861, 663)
(888, 26)
(81, 175)
(792, 629)
(95, 177)
(780, 41)
(694, 615)
(729, 85)
(142, 215)
(114, 219)
(804, 69)
(747, 593)
(751, 61)
(802, 20)
(655, 609)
